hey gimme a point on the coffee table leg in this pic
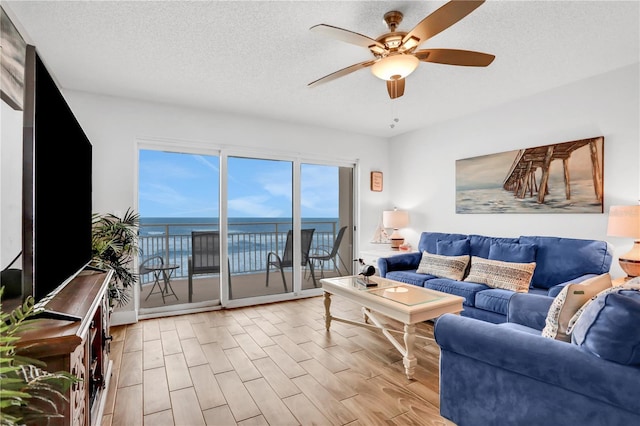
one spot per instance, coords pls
(327, 310)
(409, 359)
(365, 317)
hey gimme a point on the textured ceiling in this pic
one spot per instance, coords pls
(257, 57)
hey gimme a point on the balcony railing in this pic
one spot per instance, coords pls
(248, 247)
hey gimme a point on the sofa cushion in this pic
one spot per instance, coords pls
(539, 291)
(494, 300)
(452, 267)
(506, 275)
(563, 259)
(409, 277)
(608, 326)
(513, 252)
(459, 288)
(481, 244)
(568, 302)
(429, 240)
(453, 248)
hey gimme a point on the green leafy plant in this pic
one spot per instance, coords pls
(27, 391)
(114, 245)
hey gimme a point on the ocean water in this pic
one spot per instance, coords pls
(185, 225)
(498, 200)
(249, 239)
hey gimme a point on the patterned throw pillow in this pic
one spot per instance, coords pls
(570, 299)
(452, 267)
(497, 274)
(633, 283)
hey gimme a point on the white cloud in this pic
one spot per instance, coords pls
(253, 206)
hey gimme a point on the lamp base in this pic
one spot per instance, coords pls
(630, 262)
(396, 243)
(396, 240)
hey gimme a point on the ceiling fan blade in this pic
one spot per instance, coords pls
(466, 58)
(341, 73)
(395, 88)
(347, 36)
(440, 20)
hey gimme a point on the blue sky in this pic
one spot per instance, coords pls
(186, 185)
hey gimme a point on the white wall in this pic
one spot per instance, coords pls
(423, 162)
(113, 125)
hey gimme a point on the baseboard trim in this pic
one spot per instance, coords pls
(124, 317)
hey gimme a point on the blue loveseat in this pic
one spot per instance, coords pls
(559, 261)
(508, 374)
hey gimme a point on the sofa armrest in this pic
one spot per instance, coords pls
(529, 309)
(555, 363)
(400, 262)
(553, 291)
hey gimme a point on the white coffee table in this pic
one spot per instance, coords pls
(405, 303)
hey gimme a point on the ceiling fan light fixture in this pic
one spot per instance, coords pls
(410, 43)
(395, 67)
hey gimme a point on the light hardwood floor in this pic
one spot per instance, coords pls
(268, 365)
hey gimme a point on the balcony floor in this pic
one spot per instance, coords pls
(206, 288)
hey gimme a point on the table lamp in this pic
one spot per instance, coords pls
(624, 221)
(395, 219)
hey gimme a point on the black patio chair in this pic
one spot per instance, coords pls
(205, 257)
(328, 254)
(286, 261)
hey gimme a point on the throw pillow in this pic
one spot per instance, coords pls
(608, 326)
(497, 274)
(513, 252)
(453, 248)
(633, 283)
(628, 285)
(570, 299)
(452, 267)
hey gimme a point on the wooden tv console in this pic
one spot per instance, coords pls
(79, 347)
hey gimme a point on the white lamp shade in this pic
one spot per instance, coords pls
(624, 221)
(395, 219)
(395, 67)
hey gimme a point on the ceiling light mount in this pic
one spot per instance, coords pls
(393, 19)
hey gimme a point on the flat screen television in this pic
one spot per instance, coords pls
(57, 210)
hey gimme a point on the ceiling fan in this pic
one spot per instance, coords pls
(395, 54)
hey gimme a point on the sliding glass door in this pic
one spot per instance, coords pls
(326, 203)
(178, 202)
(261, 244)
(218, 229)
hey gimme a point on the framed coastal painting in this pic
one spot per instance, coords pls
(12, 63)
(565, 177)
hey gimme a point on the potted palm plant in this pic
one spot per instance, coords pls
(114, 245)
(28, 393)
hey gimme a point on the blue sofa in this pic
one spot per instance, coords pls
(559, 261)
(507, 374)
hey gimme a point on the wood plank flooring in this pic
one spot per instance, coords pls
(268, 365)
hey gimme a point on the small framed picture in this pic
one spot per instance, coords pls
(376, 181)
